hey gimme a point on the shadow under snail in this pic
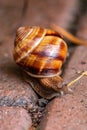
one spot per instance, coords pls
(41, 53)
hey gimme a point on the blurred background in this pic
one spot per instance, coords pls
(68, 14)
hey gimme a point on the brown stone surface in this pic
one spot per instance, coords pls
(10, 16)
(66, 113)
(70, 111)
(13, 90)
(49, 11)
(82, 28)
(14, 118)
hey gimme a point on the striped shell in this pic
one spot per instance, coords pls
(40, 52)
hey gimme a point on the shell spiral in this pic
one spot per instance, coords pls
(40, 52)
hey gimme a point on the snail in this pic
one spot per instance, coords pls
(41, 53)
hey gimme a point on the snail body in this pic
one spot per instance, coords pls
(41, 53)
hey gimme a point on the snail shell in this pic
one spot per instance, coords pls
(40, 52)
